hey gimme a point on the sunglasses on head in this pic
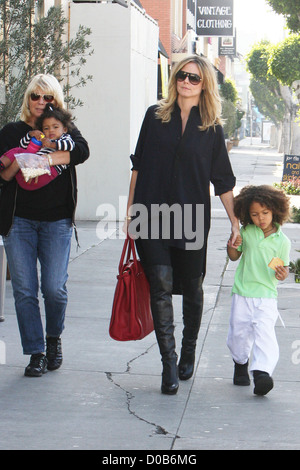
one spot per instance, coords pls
(47, 98)
(193, 77)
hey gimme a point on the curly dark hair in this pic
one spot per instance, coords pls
(60, 114)
(274, 199)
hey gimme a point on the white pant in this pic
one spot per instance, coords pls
(252, 327)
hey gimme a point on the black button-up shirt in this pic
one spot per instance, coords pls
(178, 168)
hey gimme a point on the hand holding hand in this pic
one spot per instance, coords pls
(235, 241)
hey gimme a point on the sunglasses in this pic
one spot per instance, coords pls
(47, 98)
(193, 77)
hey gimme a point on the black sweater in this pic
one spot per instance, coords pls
(55, 201)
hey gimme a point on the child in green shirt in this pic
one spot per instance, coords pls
(261, 211)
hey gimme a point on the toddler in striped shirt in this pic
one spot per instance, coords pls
(52, 130)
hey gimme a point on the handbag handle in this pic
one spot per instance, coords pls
(128, 244)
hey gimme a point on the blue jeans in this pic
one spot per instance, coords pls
(48, 242)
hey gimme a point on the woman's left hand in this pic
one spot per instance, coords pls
(235, 237)
(60, 157)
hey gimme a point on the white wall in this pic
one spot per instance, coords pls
(124, 69)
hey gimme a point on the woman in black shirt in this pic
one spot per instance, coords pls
(180, 151)
(37, 225)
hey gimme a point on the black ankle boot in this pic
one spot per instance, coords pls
(192, 307)
(186, 365)
(54, 353)
(37, 366)
(169, 384)
(241, 376)
(263, 383)
(160, 278)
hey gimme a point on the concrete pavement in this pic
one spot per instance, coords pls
(107, 394)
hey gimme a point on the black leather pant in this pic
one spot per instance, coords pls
(161, 284)
(192, 307)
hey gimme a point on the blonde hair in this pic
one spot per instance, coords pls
(210, 106)
(49, 85)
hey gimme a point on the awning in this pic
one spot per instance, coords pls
(161, 49)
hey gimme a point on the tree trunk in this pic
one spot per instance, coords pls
(295, 147)
(295, 141)
(287, 126)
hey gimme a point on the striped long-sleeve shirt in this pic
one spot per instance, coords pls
(64, 143)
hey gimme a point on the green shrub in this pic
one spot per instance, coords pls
(295, 215)
(295, 266)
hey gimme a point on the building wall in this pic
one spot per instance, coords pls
(124, 69)
(160, 10)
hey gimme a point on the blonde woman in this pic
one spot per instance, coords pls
(180, 151)
(51, 88)
(37, 226)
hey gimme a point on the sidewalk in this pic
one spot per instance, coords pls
(107, 394)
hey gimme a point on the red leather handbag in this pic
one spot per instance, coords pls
(131, 317)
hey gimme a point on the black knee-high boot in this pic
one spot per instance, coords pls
(161, 282)
(192, 314)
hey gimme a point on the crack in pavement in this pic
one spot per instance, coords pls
(159, 430)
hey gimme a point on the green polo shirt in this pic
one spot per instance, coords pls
(253, 277)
